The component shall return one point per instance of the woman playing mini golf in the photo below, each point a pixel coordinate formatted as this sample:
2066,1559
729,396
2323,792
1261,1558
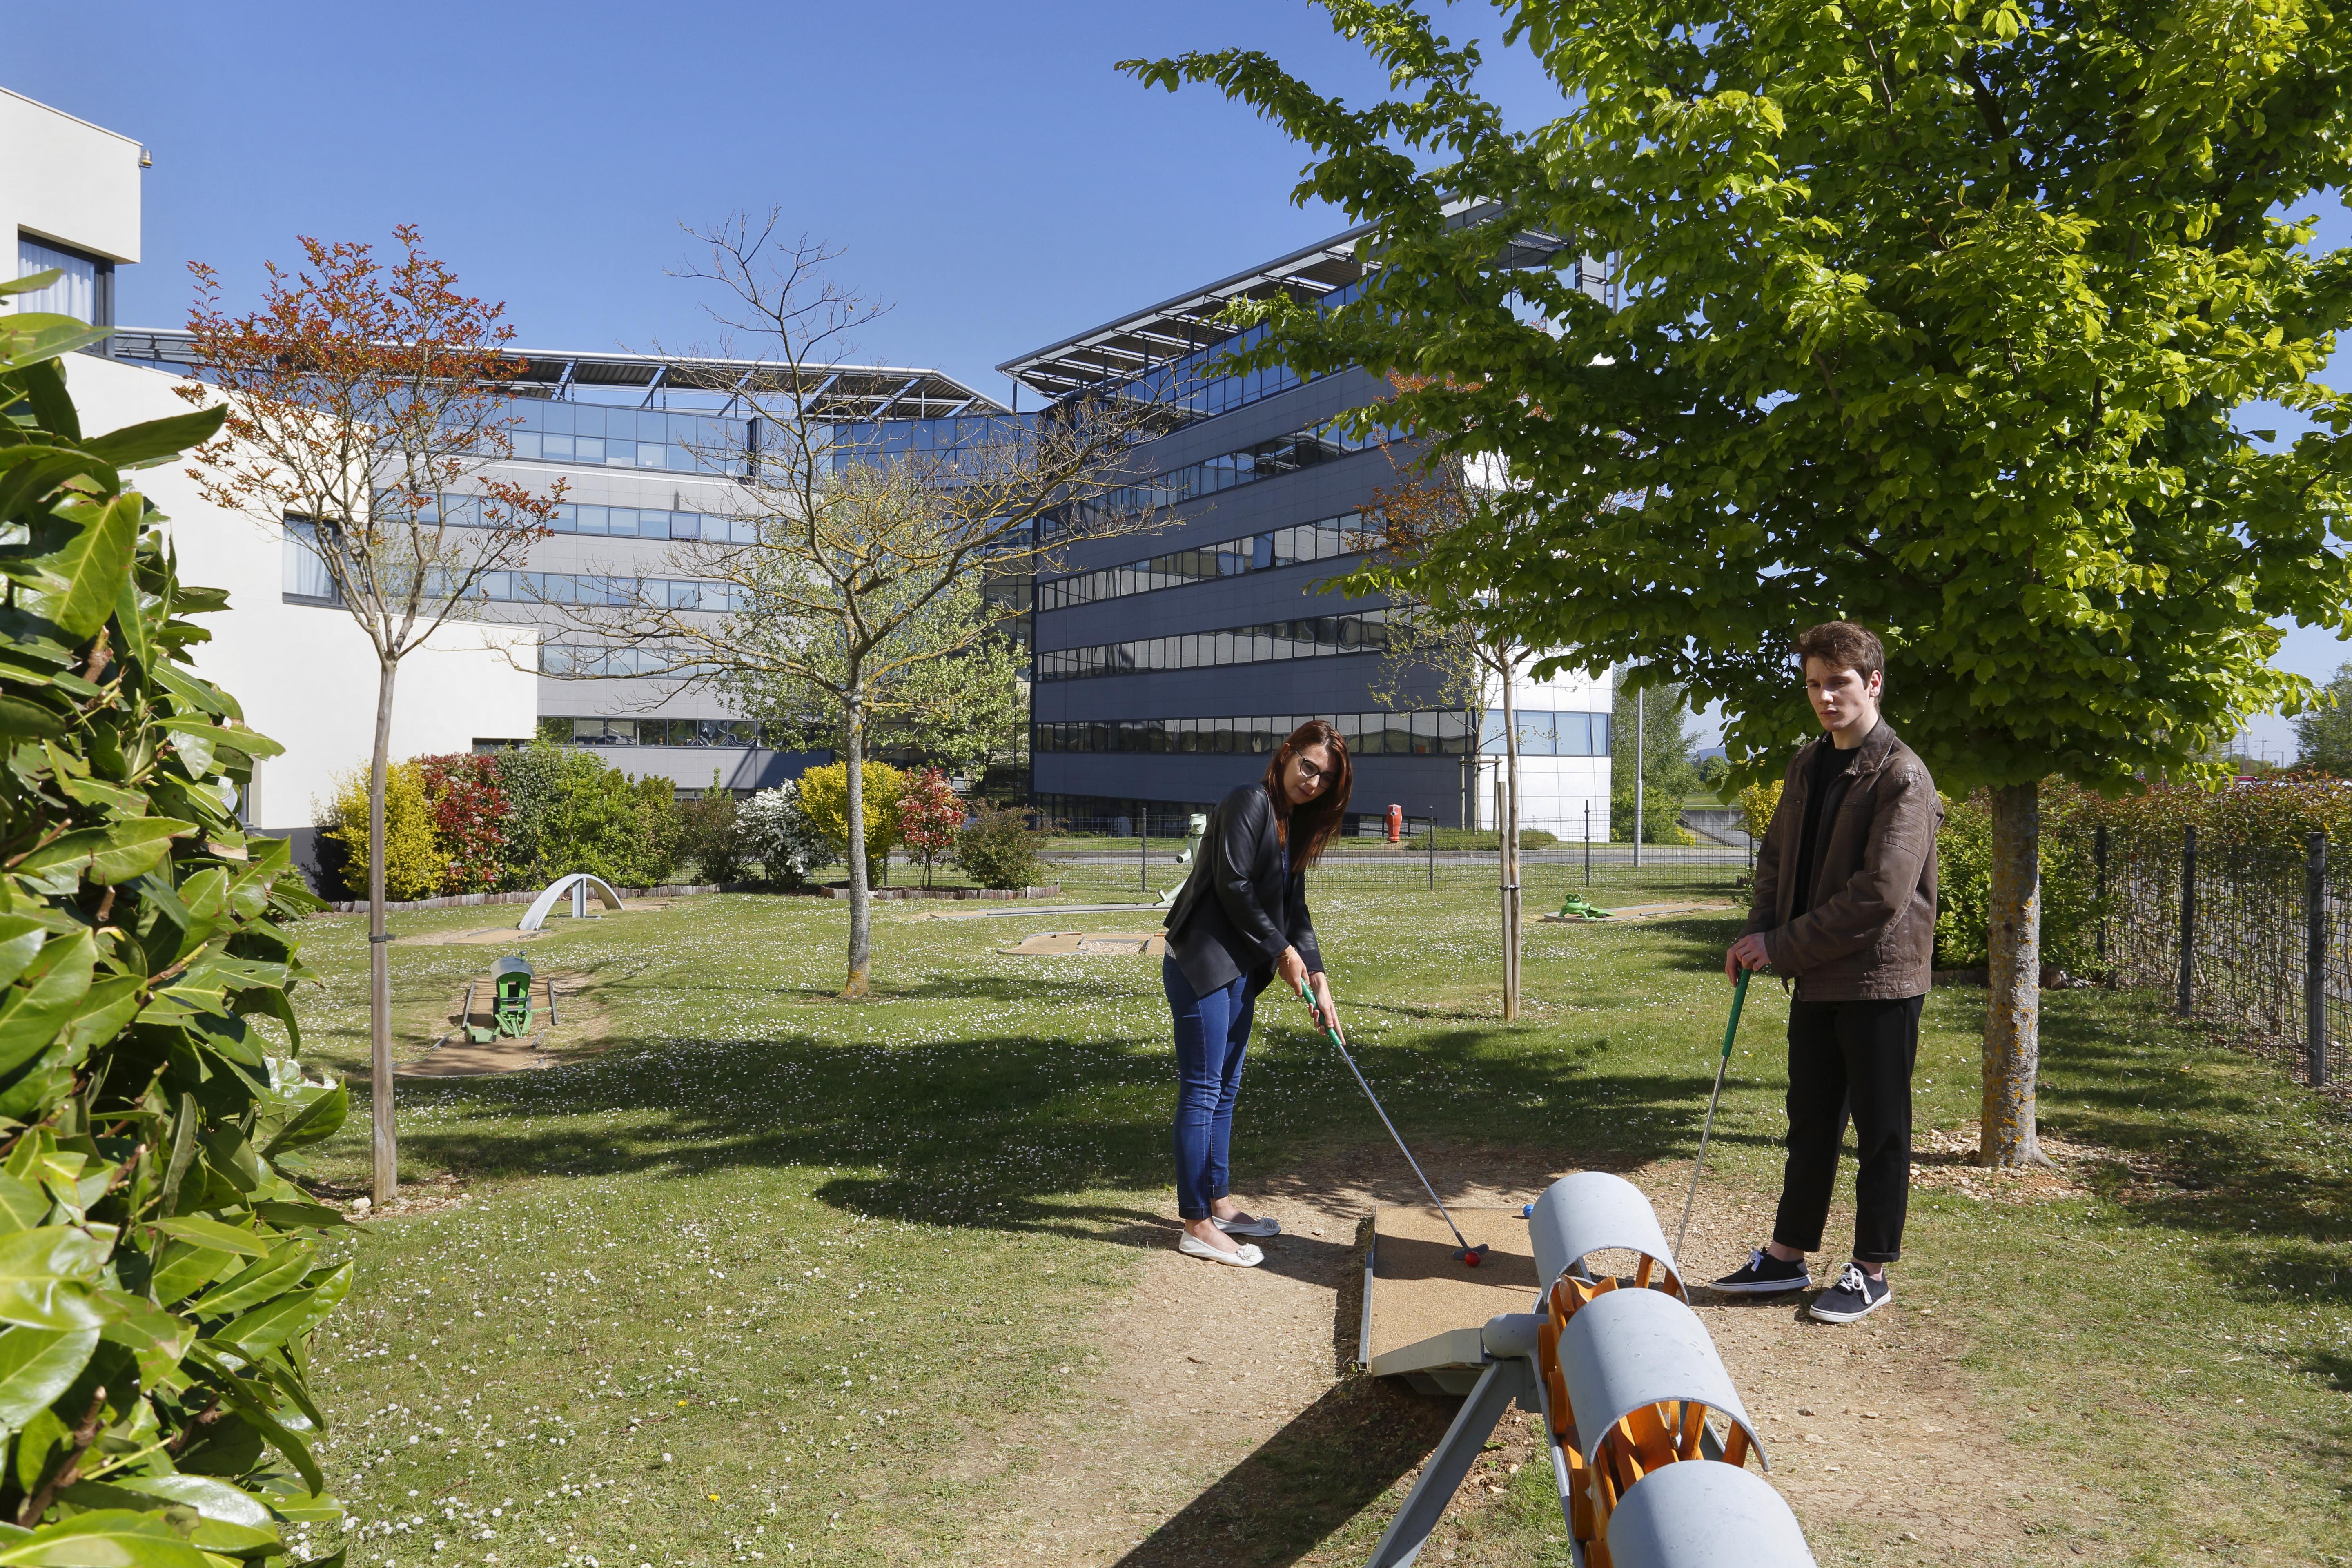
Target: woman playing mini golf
1240,924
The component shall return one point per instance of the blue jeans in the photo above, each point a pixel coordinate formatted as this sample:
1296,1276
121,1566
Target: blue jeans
1211,1036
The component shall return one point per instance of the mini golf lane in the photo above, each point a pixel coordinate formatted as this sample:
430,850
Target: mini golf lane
1414,1290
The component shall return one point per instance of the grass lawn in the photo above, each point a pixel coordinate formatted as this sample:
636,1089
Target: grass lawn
768,1278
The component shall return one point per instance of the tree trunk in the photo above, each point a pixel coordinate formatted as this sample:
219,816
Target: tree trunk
1641,765
1507,829
861,906
386,1143
2012,1048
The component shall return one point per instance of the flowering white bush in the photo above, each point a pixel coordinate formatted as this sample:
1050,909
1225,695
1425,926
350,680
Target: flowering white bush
780,834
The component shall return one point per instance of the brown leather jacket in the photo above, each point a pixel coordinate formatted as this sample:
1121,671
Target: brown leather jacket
1871,933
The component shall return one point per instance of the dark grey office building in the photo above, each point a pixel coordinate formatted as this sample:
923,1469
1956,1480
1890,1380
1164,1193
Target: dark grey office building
1169,663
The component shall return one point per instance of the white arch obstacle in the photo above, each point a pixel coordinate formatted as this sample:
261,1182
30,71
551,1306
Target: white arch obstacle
580,884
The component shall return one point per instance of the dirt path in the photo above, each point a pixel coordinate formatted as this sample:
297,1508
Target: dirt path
1221,1427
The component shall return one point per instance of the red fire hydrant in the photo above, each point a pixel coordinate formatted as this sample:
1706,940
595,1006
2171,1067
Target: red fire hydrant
1396,824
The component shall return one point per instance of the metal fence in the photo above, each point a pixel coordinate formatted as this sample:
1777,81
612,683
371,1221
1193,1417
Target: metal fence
2268,948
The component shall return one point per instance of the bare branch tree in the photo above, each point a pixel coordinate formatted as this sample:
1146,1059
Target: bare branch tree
358,396
858,552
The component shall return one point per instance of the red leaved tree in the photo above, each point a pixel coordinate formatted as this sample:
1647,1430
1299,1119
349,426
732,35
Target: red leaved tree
359,397
469,812
930,815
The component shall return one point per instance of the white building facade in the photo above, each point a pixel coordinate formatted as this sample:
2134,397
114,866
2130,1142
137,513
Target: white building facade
1564,744
306,679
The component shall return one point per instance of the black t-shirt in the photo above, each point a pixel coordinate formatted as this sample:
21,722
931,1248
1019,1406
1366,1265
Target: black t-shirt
1829,765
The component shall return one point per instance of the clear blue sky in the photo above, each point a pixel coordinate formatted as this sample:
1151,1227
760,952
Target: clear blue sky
984,168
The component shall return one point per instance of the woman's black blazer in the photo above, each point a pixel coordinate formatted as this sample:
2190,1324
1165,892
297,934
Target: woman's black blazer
1237,911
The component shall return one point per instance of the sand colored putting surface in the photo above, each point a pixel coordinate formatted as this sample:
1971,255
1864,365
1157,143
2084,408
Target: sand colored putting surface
1091,945
1417,1290
463,1059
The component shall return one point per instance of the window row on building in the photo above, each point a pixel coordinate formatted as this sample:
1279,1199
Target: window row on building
607,731
1434,733
1427,733
590,588
617,521
1548,735
1326,539
546,430
579,660
1310,637
1268,459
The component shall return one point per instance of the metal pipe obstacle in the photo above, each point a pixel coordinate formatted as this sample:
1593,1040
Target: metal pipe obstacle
1648,1438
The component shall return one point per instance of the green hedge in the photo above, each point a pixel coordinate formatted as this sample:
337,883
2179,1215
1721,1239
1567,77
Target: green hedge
161,1273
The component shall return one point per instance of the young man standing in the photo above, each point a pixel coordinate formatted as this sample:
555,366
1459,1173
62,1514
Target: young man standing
1845,902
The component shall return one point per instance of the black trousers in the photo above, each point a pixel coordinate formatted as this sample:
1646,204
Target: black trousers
1849,1059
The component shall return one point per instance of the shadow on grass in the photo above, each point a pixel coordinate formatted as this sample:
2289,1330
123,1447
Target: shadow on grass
2130,1079
1009,1131
1301,1484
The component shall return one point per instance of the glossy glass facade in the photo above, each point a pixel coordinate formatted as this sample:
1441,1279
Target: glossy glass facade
1430,732
1313,636
1268,459
1197,386
1328,540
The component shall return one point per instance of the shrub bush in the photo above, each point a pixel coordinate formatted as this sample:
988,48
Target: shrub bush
413,863
710,838
1660,817
469,820
779,835
931,816
1000,849
825,796
164,1277
1757,803
1964,884
567,812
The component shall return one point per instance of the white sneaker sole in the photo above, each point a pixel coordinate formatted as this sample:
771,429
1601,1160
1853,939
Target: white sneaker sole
1243,1257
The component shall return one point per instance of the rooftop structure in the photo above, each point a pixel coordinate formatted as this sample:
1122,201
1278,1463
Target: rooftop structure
844,392
1191,322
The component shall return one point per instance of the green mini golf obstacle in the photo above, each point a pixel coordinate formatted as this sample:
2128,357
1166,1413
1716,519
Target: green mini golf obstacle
1576,907
512,1013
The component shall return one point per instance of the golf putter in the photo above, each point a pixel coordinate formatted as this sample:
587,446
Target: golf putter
1467,1255
1730,1033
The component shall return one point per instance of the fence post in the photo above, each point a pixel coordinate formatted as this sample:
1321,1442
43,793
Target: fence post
1142,850
2315,955
2099,884
1432,848
1587,844
2187,919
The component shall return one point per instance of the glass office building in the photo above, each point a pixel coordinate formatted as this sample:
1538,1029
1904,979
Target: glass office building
1168,664
651,451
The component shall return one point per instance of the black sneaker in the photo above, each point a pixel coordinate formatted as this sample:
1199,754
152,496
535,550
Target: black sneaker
1855,1295
1764,1275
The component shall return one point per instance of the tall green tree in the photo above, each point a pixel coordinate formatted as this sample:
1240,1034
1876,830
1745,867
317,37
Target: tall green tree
1661,715
1934,317
2323,735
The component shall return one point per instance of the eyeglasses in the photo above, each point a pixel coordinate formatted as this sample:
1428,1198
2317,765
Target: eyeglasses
1309,772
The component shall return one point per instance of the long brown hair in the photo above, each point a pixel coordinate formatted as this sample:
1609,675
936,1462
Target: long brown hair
1319,819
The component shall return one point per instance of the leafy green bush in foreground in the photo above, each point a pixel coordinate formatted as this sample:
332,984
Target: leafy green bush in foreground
160,1276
